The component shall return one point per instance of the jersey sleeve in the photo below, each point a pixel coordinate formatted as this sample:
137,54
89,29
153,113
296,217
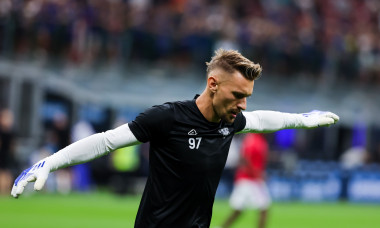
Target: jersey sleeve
240,122
153,124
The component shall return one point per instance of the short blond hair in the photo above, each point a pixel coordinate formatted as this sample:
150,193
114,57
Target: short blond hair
231,60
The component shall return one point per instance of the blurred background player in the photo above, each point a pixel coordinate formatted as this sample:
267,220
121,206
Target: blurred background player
7,146
81,173
250,190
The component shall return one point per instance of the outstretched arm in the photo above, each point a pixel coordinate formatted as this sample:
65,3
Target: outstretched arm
270,121
79,152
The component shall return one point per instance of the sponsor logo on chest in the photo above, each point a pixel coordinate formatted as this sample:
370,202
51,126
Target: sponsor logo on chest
192,132
224,131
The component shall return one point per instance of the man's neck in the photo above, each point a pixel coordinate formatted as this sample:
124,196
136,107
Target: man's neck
204,104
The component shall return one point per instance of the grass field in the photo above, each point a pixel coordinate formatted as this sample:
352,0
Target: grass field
106,210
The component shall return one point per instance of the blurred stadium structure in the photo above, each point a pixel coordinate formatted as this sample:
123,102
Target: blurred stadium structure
100,61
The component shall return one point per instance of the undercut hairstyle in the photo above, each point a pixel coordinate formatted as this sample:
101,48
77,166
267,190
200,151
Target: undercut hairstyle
231,60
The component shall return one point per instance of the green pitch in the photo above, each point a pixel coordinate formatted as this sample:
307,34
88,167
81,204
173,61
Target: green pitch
107,210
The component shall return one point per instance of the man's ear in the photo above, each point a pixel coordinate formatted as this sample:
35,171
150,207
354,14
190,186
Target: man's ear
212,84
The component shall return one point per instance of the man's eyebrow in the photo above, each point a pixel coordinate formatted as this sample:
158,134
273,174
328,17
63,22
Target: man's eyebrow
240,94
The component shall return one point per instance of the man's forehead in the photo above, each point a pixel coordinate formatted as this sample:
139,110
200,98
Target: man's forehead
242,89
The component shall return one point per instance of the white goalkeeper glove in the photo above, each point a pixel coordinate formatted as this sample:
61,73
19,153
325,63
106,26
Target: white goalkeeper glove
38,172
317,118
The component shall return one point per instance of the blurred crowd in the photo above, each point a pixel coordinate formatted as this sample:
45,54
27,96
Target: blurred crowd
328,40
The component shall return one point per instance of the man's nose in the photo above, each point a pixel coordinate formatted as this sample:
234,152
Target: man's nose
242,105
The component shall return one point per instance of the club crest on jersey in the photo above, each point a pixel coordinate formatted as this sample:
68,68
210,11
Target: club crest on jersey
224,131
192,132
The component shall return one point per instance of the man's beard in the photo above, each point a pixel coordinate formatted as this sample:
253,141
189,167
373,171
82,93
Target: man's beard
228,118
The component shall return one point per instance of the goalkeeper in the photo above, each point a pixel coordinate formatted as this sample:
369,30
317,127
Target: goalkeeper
189,143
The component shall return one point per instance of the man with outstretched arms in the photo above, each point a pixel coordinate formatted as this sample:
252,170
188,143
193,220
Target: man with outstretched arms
189,143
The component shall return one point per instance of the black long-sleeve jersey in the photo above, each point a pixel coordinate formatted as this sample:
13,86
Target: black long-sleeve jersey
187,156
